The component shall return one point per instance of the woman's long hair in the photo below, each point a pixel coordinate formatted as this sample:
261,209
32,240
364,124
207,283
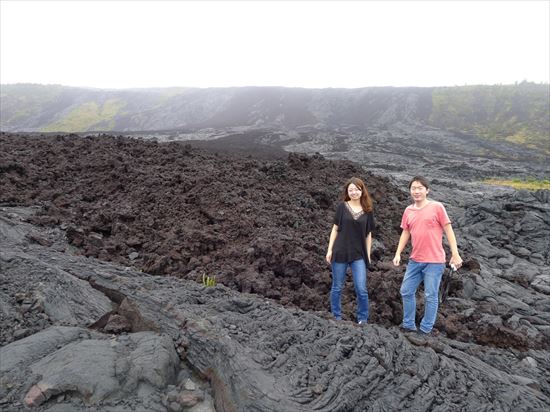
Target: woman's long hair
366,201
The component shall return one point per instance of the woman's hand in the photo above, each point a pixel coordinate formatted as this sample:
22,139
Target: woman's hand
328,257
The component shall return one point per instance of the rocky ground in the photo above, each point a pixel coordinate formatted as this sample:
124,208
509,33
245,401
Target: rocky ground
258,224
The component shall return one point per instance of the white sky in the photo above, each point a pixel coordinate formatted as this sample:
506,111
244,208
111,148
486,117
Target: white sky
314,44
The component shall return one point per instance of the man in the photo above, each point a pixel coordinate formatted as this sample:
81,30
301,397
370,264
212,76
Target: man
424,222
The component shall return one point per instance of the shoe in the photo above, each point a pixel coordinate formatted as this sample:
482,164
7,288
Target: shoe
433,332
406,330
362,322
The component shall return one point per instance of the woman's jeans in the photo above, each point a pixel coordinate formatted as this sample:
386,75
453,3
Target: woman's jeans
417,272
359,272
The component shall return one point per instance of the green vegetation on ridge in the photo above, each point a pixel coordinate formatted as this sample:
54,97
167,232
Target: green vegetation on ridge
88,115
528,184
514,113
20,102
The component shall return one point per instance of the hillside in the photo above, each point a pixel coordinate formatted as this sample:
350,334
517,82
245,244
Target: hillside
518,113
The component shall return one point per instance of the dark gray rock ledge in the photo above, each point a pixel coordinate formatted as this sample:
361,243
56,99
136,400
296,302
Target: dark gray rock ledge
105,337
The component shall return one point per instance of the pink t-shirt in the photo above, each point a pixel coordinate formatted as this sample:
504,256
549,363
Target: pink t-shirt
426,227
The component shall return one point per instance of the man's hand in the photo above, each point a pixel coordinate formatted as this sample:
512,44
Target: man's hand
397,260
455,261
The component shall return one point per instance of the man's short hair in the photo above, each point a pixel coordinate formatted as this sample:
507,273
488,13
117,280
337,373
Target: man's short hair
420,179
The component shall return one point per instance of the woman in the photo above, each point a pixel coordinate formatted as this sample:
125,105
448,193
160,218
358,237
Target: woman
350,245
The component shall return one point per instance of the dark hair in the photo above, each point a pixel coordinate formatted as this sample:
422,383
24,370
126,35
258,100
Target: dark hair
419,179
366,201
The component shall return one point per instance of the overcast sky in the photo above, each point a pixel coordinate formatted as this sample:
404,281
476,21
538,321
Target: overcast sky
313,44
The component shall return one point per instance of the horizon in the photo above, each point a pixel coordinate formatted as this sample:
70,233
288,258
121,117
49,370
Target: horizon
516,83
303,44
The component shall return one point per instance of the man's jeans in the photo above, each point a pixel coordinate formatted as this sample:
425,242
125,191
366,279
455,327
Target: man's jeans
359,272
417,272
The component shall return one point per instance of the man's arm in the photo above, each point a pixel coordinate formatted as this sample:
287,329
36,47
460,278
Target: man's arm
456,260
403,240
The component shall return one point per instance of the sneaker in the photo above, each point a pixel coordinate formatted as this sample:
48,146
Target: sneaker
362,322
433,332
406,330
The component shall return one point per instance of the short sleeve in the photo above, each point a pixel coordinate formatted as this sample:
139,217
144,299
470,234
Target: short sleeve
442,216
404,220
338,216
371,226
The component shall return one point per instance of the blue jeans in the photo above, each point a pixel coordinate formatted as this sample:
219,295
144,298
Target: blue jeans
359,272
417,272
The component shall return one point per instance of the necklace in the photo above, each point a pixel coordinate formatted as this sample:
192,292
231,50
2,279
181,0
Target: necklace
355,215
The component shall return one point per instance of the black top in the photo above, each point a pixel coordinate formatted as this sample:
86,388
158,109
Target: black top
350,243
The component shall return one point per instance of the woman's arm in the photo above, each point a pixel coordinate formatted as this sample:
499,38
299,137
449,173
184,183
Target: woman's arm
333,235
403,240
369,244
